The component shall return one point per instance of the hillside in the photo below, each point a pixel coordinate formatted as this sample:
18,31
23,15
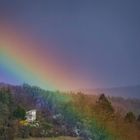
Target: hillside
81,115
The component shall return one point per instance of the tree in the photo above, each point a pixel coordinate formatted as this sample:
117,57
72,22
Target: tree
130,117
4,113
19,113
104,104
5,96
138,119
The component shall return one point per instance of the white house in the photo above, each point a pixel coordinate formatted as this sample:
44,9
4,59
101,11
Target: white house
31,115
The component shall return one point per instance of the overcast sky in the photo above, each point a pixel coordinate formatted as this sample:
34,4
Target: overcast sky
98,38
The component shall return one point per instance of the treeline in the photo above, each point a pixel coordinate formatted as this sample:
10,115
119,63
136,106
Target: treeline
75,114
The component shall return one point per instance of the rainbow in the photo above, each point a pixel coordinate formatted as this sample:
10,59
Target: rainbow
30,61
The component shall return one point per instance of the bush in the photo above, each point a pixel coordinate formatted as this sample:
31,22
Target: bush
24,132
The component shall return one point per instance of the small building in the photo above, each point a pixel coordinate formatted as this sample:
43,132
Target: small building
31,115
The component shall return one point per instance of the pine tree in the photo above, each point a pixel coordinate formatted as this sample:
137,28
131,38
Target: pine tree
130,117
104,104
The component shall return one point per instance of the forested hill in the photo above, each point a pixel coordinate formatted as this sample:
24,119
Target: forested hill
88,117
124,98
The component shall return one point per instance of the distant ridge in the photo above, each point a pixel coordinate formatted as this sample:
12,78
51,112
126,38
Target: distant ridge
2,84
126,91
